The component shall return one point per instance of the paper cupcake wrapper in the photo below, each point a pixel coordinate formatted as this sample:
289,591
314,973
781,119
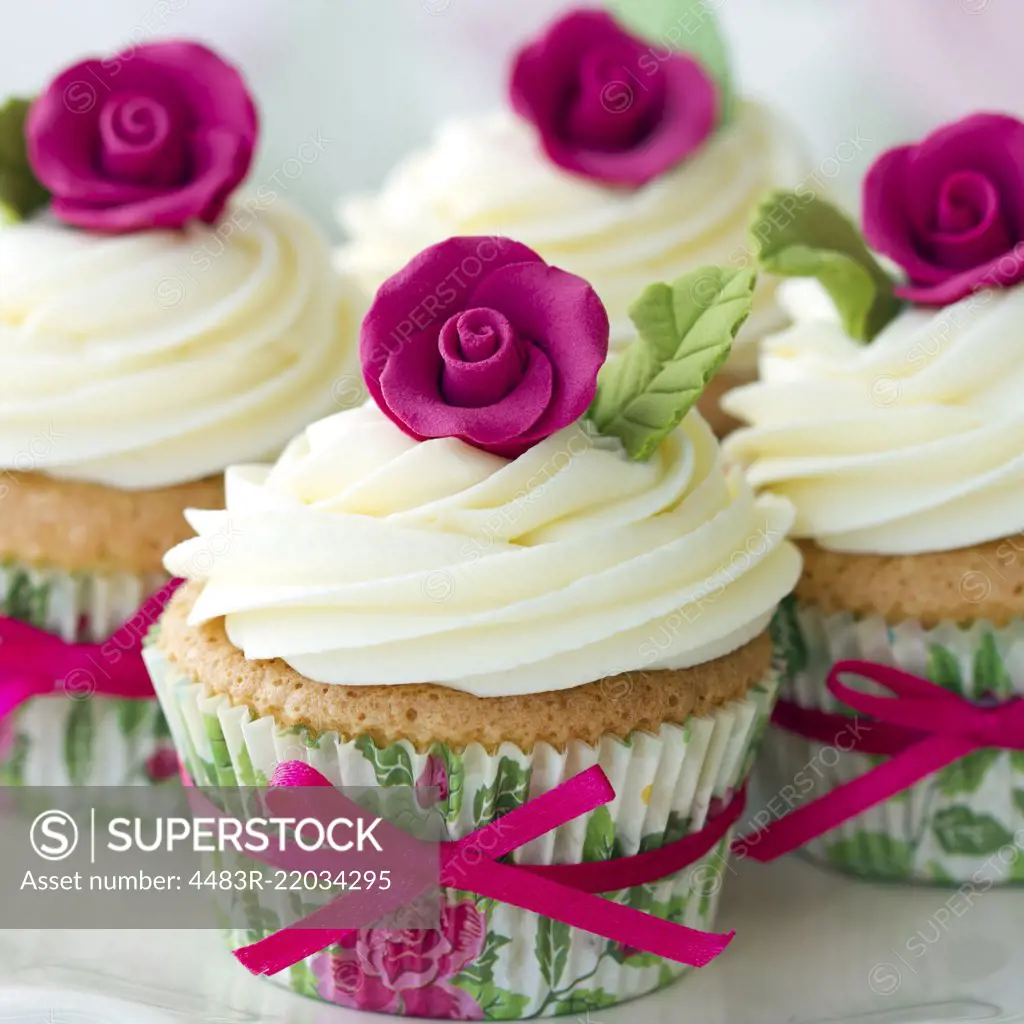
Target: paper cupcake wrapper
525,965
963,823
58,740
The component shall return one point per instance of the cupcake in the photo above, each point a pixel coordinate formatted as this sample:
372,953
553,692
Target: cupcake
890,415
153,329
621,158
498,572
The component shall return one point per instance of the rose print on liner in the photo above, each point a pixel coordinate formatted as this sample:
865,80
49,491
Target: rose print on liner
154,137
605,107
407,971
432,785
478,338
950,210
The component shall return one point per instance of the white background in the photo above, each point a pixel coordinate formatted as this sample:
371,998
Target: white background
375,76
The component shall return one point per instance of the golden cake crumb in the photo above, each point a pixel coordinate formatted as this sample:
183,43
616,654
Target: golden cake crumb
982,582
425,713
76,526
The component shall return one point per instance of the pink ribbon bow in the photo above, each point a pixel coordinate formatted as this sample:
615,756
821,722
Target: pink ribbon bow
34,663
921,727
563,892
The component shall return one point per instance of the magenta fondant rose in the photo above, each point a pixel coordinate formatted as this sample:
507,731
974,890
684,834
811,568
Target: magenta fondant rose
609,106
407,972
950,210
479,339
152,138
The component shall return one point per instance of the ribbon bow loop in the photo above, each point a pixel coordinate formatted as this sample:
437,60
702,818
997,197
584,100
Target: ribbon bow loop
921,727
927,708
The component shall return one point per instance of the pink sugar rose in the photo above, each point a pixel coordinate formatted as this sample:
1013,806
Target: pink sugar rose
408,972
608,105
479,339
154,137
950,209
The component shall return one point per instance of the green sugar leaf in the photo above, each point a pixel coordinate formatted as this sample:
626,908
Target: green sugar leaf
685,331
21,194
798,235
690,27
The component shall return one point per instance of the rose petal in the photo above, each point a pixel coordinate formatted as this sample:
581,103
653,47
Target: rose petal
543,70
561,314
687,119
992,144
472,383
207,102
442,1002
414,304
1003,271
141,142
969,230
606,114
884,216
903,197
410,395
219,161
680,116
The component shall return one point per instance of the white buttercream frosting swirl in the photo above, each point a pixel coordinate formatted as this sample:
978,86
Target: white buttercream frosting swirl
363,557
912,443
154,358
489,176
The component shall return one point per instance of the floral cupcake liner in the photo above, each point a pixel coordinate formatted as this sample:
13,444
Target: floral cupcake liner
492,961
87,739
963,823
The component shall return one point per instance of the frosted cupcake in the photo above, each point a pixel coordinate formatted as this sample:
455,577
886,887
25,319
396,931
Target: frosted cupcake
500,571
153,329
623,159
890,414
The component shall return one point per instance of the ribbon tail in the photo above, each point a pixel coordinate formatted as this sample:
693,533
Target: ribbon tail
595,915
831,809
288,946
280,950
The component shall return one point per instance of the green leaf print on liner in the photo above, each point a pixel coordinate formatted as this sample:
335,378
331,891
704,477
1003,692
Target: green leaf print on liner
392,766
958,830
455,773
12,768
990,674
600,838
873,852
481,971
1018,799
583,999
509,790
937,873
26,599
944,669
131,714
1017,760
78,741
788,639
552,949
497,1003
967,774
